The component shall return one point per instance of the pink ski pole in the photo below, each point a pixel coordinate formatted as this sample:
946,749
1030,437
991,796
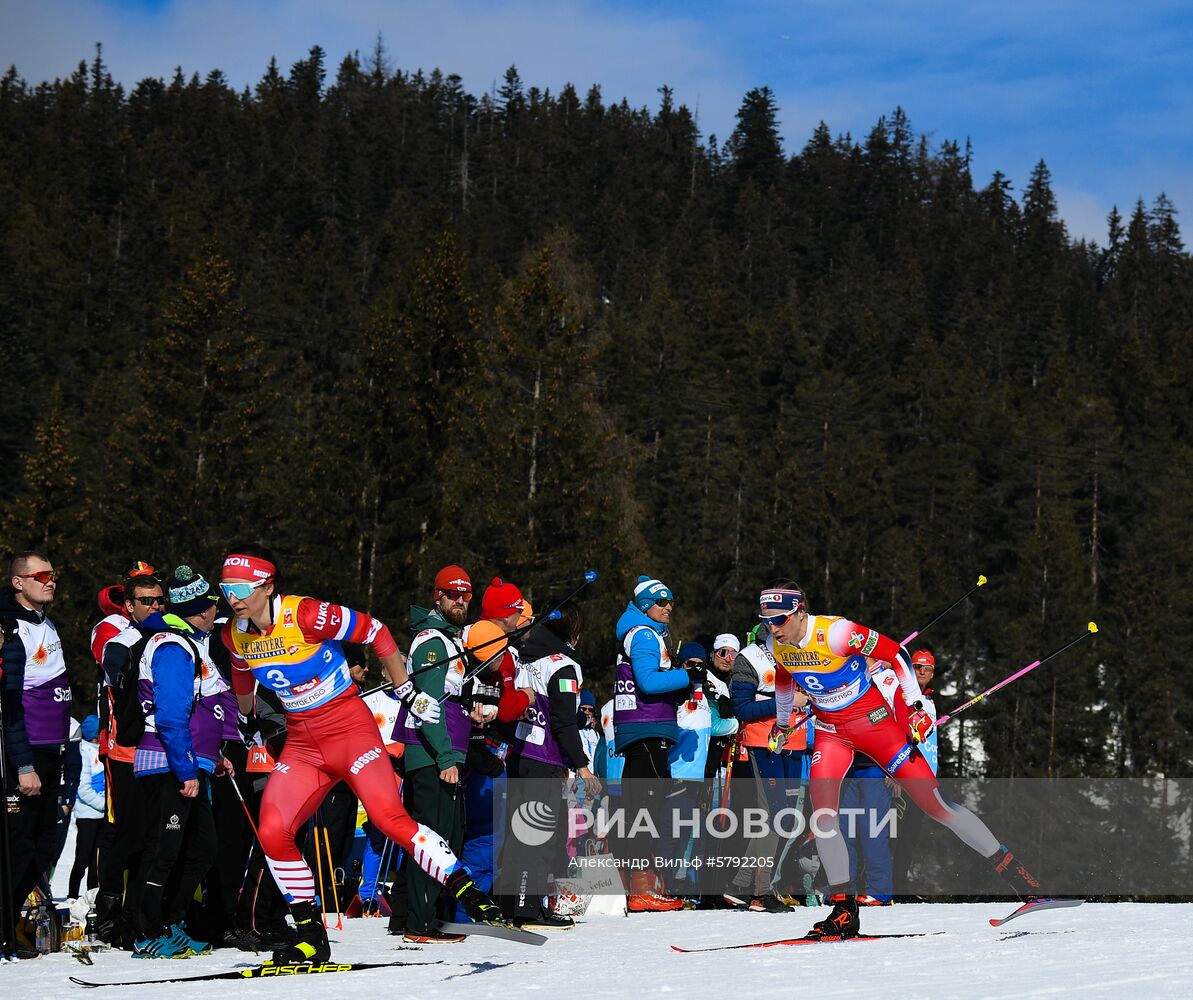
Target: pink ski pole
1091,628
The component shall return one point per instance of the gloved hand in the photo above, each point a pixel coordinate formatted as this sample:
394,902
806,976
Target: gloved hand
420,704
453,682
778,736
247,724
696,676
920,724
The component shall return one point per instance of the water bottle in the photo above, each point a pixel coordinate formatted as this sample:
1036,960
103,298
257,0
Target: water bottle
89,932
41,937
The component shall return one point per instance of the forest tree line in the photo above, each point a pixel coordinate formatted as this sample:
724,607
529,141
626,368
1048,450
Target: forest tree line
382,324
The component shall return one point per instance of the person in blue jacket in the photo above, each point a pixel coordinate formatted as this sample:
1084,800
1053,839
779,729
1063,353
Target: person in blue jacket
646,694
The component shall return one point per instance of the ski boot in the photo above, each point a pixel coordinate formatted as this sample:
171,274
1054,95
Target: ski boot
476,903
1022,882
842,922
311,945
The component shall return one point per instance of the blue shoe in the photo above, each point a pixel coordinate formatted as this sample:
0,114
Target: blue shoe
179,933
164,946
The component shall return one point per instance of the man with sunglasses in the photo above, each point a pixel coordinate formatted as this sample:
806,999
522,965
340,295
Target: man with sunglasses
829,659
646,696
139,595
37,701
291,645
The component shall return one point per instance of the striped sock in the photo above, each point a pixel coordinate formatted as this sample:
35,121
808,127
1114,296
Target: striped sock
294,879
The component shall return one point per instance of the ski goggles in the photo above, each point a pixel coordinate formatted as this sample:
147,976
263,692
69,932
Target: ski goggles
240,591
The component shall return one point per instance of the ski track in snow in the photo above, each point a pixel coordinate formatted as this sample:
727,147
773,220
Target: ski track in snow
1097,950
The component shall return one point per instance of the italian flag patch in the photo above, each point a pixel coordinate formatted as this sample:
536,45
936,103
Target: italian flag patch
569,687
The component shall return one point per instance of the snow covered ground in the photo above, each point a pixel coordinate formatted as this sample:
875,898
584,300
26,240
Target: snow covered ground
1097,950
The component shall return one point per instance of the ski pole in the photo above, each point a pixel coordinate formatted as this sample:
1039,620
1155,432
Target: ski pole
1090,629
319,868
374,908
940,614
516,633
335,892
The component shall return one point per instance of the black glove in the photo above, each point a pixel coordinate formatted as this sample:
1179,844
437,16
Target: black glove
696,677
247,724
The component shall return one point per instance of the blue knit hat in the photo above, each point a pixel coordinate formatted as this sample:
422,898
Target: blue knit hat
89,727
692,651
587,698
648,590
189,593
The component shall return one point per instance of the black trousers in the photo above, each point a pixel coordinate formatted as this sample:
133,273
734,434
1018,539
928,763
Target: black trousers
441,807
645,782
33,827
260,905
180,848
122,839
86,841
226,881
530,870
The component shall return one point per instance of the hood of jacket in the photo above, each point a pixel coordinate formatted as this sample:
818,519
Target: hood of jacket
111,600
543,642
10,607
632,617
424,618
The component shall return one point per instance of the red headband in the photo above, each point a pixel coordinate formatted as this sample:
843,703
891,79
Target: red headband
253,567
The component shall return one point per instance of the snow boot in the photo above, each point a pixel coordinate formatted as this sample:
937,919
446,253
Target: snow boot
643,897
1022,882
311,945
843,922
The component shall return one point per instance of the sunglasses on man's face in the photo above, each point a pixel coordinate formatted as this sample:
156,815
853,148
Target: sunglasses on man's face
42,576
663,602
149,602
778,621
693,663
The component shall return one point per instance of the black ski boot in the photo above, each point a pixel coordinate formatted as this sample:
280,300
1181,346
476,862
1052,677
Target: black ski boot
475,902
311,944
1022,882
843,922
107,917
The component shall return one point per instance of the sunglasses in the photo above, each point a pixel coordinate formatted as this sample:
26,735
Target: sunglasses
241,591
778,621
587,710
664,602
42,576
727,651
149,602
693,663
457,595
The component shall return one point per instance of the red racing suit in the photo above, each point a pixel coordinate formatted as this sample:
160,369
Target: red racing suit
331,734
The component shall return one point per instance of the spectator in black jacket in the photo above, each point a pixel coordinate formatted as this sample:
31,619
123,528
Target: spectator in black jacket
37,700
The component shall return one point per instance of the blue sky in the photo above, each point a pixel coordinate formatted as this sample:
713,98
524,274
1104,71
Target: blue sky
1094,88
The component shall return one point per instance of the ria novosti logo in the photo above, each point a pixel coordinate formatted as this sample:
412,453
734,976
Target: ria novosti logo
533,823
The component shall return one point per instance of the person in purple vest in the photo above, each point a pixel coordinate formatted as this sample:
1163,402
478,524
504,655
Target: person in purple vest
37,698
435,751
189,711
647,692
546,744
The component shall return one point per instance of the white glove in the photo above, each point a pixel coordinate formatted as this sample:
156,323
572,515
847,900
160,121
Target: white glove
420,704
453,683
